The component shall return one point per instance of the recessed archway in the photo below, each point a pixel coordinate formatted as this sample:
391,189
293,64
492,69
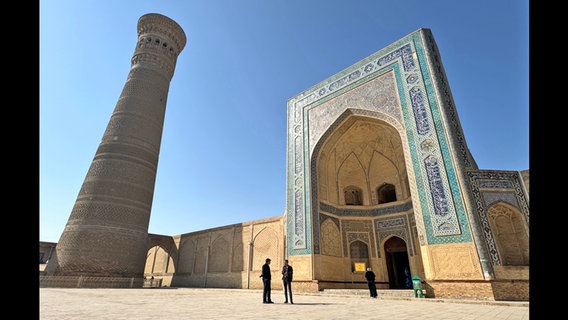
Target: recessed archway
397,262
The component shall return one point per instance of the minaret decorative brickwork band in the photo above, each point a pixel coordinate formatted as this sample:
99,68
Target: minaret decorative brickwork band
105,241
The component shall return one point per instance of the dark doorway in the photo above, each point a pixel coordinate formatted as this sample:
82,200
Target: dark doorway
397,262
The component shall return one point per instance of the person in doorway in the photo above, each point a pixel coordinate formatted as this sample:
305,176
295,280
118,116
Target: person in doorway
266,279
287,274
370,276
407,279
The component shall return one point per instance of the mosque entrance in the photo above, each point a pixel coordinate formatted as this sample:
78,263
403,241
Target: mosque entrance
397,263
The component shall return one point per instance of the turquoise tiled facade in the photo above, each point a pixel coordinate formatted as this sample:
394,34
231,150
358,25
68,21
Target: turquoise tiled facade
434,145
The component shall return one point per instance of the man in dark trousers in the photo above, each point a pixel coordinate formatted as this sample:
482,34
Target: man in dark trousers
287,274
266,278
370,276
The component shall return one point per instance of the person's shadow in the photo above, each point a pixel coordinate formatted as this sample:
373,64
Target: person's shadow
312,304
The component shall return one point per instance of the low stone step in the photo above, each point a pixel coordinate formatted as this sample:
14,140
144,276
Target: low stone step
404,293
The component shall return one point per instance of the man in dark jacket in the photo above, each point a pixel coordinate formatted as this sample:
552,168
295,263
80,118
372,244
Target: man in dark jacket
287,274
266,278
370,276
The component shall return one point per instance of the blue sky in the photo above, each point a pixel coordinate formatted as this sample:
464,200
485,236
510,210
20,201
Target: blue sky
223,152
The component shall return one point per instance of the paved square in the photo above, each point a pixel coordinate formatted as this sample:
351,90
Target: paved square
191,303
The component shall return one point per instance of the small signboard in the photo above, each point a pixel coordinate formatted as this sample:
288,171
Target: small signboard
360,266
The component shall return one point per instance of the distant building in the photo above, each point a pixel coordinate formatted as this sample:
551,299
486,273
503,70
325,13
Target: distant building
46,249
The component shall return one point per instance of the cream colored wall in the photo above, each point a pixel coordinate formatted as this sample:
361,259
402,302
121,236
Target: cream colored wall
452,262
225,257
221,258
511,272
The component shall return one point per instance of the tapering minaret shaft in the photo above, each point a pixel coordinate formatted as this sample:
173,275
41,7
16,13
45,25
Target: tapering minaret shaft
107,231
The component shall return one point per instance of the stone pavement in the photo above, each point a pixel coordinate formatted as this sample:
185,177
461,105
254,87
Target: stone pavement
197,303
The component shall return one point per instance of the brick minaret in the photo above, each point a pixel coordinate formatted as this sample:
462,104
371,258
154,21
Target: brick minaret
104,243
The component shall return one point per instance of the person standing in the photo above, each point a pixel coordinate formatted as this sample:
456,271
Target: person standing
287,274
266,279
407,280
370,276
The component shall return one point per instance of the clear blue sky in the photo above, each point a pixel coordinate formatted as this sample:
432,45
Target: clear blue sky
223,153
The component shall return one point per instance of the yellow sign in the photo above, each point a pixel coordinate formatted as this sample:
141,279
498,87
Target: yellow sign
360,266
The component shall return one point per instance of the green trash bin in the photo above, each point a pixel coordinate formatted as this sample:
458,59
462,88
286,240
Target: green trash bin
417,286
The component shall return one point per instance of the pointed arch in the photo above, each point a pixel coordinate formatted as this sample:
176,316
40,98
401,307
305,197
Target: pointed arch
396,254
160,255
266,245
351,179
200,261
511,234
359,137
330,238
218,256
358,250
187,253
158,261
